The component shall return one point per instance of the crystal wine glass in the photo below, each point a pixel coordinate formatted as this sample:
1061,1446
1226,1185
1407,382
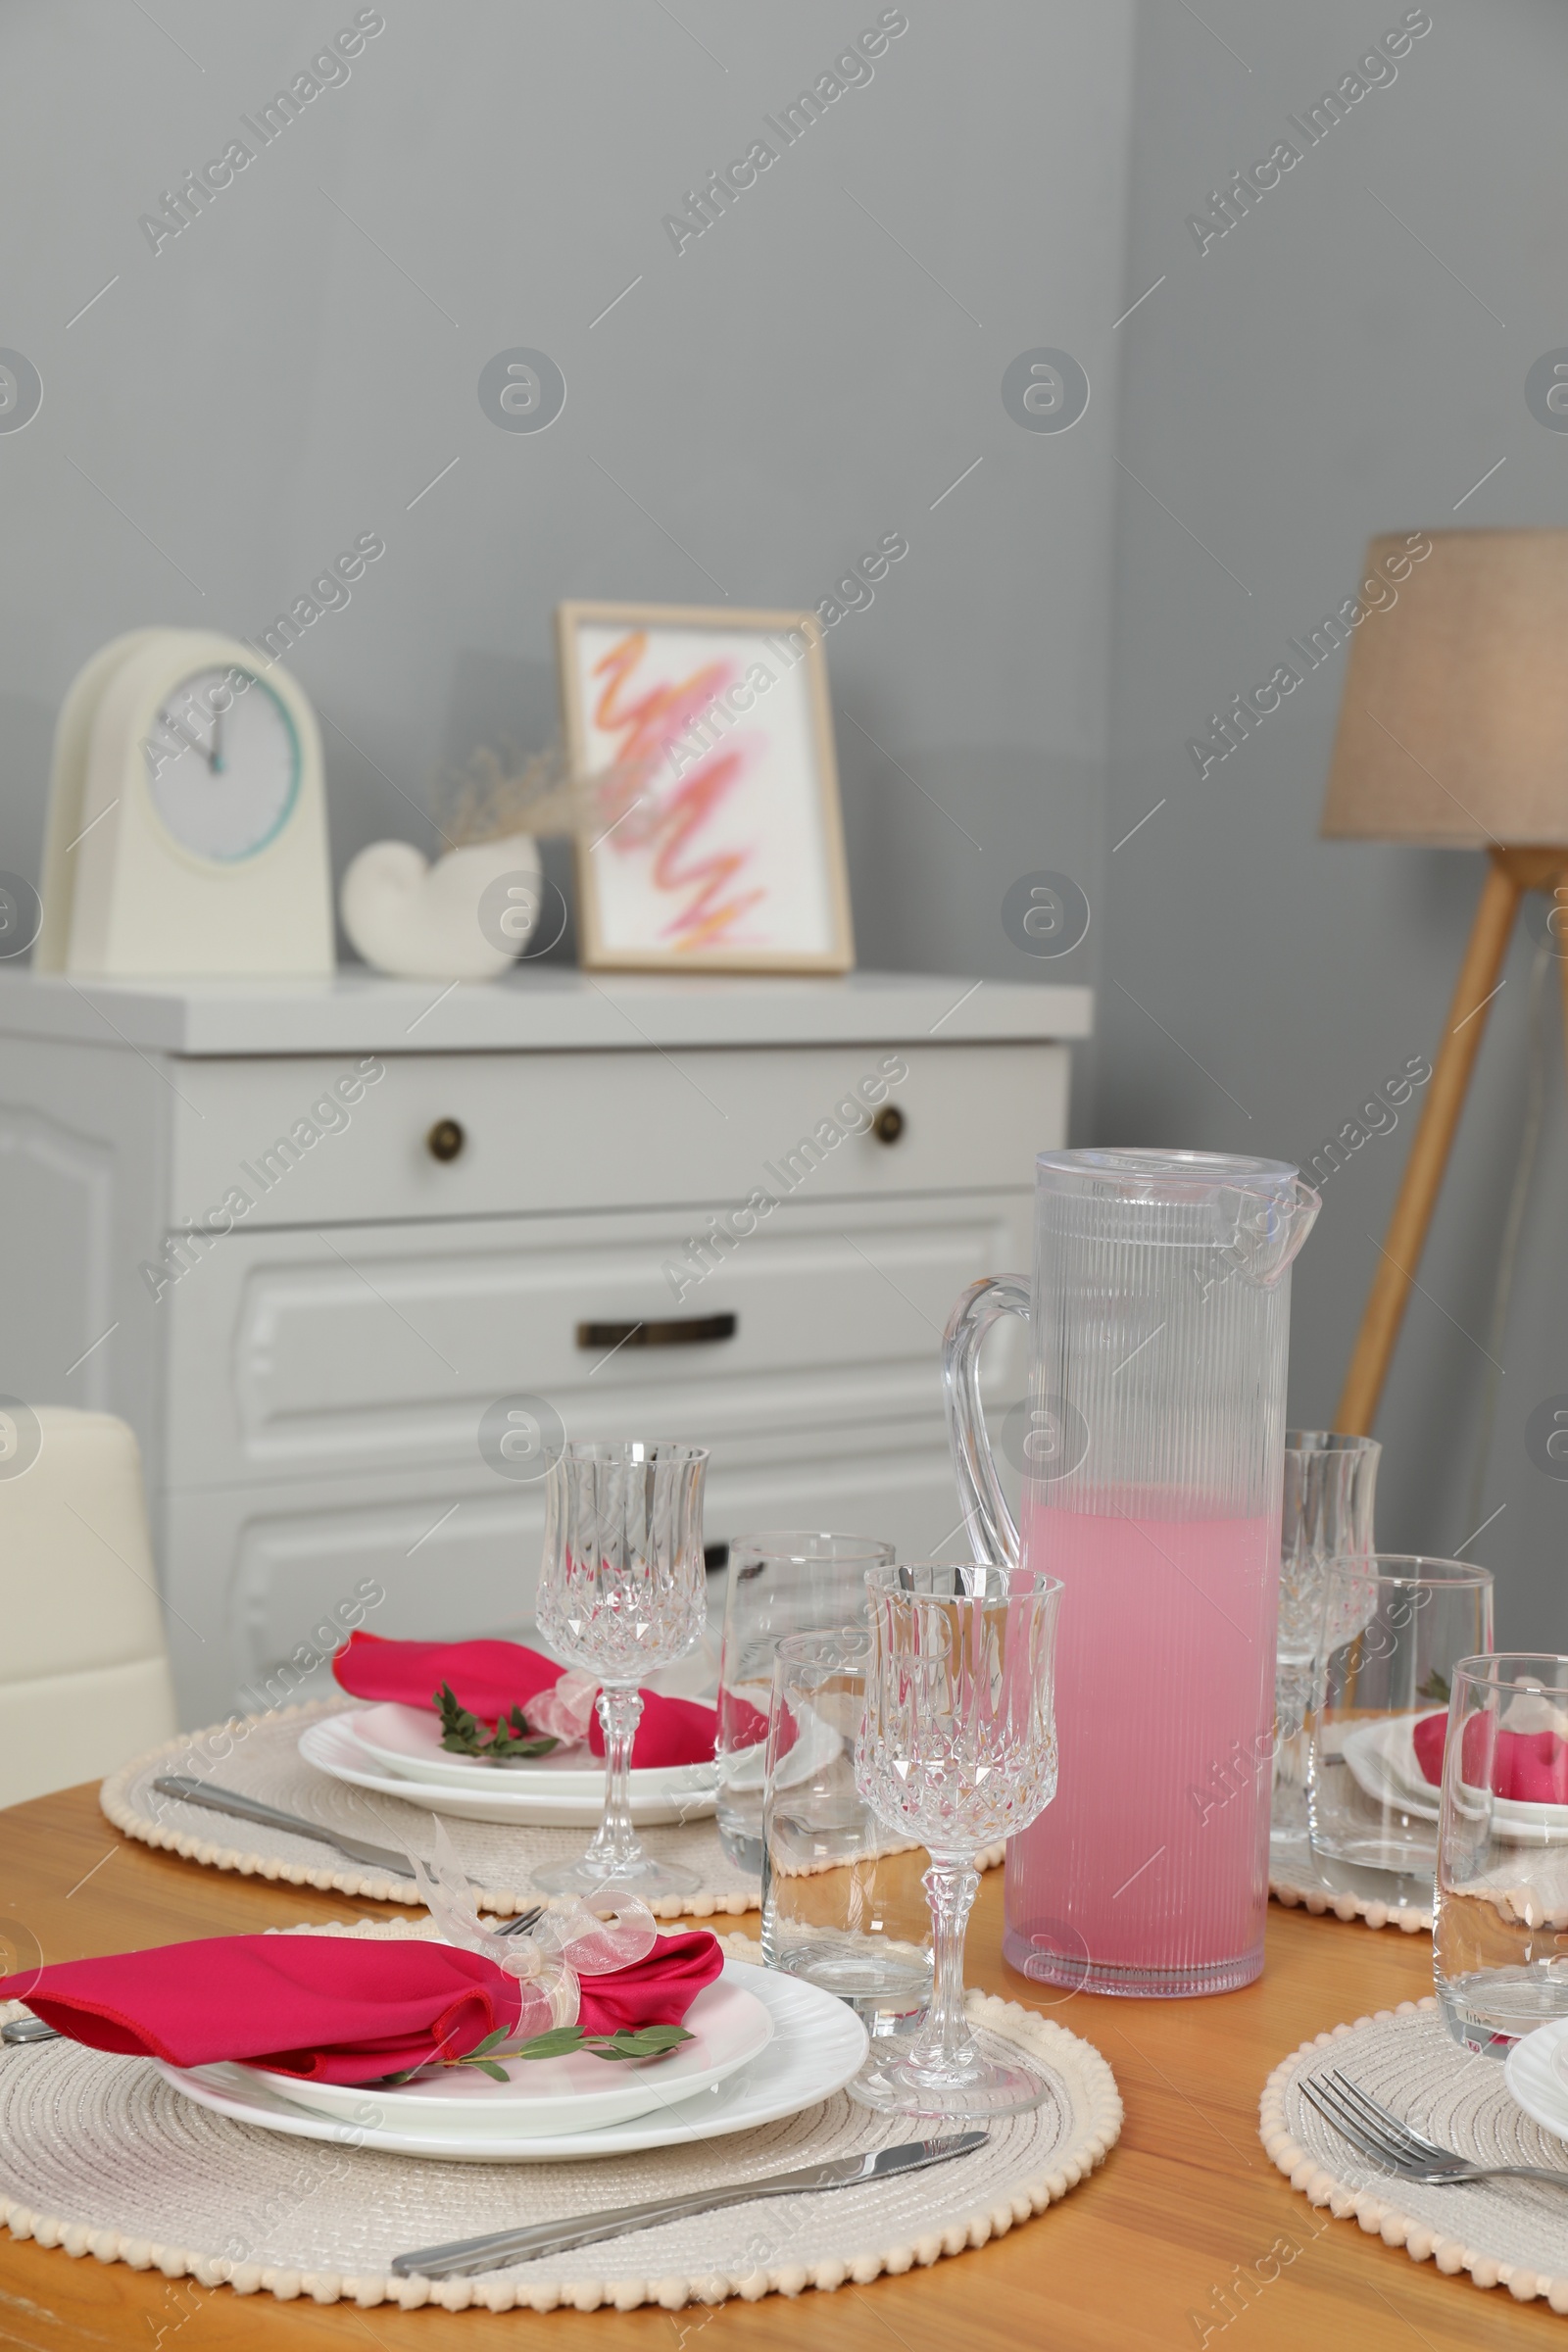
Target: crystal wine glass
1330,1480
957,1749
623,1591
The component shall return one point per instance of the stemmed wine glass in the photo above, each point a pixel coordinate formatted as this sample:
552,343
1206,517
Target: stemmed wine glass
957,1749
623,1591
1330,1480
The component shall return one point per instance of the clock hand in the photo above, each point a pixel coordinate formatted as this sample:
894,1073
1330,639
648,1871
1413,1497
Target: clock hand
214,758
179,728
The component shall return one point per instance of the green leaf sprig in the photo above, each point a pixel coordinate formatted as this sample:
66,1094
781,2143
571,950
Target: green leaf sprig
629,2041
464,1735
639,2043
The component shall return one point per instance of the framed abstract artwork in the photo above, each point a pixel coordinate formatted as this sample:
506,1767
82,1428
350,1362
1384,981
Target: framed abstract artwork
717,844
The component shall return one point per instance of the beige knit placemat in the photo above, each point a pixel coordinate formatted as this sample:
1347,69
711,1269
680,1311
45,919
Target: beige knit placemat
1511,2233
257,1755
101,2156
1295,1879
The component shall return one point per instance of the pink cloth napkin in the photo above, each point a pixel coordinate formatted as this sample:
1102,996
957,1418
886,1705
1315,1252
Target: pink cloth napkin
743,1724
332,2008
1530,1767
491,1677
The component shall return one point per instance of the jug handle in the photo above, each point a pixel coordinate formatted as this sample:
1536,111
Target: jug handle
991,1528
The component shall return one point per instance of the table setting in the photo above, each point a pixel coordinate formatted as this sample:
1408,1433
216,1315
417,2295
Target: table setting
417,1746
1420,1780
179,2155
545,2081
1418,2122
554,2032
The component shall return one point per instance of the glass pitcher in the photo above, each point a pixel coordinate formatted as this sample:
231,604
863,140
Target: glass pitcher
1152,1467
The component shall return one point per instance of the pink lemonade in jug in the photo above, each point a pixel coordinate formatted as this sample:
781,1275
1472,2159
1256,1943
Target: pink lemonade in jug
1152,1473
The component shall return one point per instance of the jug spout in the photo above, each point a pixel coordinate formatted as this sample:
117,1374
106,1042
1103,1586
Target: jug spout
1260,1235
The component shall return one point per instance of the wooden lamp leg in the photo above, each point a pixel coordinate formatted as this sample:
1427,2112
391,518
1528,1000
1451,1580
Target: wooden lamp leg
1431,1142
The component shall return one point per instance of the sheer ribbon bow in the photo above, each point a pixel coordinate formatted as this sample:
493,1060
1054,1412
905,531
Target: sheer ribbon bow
570,1941
566,1711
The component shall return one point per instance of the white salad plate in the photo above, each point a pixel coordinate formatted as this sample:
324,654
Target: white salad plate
1381,1758
406,1740
728,2025
332,1747
817,2045
1532,2071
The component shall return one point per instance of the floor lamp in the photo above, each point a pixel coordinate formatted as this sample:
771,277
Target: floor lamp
1453,733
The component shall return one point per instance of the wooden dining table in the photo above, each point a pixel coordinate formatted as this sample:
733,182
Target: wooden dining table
1147,2252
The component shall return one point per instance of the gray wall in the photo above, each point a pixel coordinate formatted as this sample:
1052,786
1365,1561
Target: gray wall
803,378
813,372
1318,375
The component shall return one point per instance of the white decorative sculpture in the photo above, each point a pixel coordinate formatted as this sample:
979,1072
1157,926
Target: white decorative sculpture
420,921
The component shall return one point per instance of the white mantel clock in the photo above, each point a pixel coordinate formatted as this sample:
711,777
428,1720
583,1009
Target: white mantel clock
187,821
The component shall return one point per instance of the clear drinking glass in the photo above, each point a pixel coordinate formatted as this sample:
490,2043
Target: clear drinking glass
843,1900
790,1582
1391,1628
1499,1943
1330,1480
958,1751
622,1590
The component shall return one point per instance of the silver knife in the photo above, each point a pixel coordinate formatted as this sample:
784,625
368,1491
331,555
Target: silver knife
23,2030
251,1808
465,2257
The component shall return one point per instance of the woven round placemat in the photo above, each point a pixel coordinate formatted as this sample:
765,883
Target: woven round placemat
101,2156
257,1755
1295,1881
1511,2233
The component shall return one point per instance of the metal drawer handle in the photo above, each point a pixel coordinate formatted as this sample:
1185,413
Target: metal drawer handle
445,1140
888,1125
687,1331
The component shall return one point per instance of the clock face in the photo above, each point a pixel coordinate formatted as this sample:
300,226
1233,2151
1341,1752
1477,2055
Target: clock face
223,765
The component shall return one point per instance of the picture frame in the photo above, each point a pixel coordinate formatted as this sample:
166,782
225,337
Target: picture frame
714,729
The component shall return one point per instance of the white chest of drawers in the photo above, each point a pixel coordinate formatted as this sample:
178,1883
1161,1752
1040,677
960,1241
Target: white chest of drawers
309,1368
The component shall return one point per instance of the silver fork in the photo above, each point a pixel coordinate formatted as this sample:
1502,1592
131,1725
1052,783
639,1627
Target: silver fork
524,1922
1396,2147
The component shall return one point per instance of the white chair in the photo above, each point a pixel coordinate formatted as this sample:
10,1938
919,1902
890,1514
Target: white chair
84,1682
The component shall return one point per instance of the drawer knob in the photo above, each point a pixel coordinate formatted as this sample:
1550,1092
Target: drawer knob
888,1125
445,1140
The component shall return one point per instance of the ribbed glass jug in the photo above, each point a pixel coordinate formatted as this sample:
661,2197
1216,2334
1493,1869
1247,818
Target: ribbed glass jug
1153,1464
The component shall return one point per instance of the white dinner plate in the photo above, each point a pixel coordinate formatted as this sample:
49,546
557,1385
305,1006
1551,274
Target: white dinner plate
406,1740
819,2045
1381,1757
332,1747
1531,2071
815,1746
728,2025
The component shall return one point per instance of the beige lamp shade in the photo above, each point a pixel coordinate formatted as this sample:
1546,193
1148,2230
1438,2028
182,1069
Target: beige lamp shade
1453,729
